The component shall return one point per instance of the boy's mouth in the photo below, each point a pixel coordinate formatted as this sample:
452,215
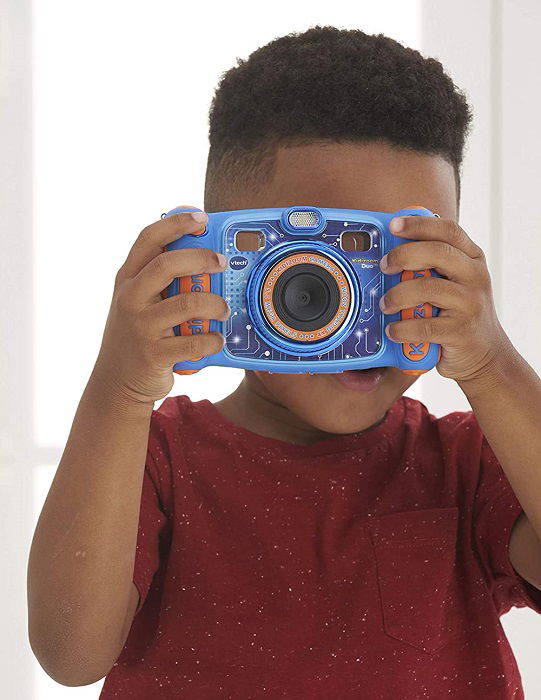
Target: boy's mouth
360,379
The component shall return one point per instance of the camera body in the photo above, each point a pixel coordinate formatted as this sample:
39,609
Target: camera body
303,284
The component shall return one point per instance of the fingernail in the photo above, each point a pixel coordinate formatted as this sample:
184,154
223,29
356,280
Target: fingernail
222,262
199,217
383,263
227,314
382,303
397,224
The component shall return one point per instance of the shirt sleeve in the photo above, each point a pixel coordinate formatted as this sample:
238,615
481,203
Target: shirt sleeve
496,509
153,517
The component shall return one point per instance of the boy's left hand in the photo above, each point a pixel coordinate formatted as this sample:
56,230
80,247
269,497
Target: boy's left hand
467,327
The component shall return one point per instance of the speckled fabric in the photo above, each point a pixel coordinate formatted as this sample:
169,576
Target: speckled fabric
371,566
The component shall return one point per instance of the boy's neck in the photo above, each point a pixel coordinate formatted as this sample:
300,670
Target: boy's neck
252,407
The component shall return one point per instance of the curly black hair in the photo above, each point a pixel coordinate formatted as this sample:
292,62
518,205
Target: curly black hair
329,84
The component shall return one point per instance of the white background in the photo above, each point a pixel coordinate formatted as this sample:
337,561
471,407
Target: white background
103,126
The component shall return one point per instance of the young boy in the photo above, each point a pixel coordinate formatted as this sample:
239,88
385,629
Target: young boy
309,536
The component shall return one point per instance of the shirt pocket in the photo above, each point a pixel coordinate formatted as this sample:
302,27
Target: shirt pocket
415,554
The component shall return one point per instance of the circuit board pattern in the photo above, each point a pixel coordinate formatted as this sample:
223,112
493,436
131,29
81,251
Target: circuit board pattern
242,340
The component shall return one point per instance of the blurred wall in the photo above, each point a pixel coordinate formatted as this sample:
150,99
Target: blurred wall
491,49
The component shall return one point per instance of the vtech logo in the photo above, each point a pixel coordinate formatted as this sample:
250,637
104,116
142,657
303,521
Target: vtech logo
237,262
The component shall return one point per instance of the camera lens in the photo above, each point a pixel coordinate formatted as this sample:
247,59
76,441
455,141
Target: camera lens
306,297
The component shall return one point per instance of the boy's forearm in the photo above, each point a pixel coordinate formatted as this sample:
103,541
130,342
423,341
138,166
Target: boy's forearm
507,405
82,555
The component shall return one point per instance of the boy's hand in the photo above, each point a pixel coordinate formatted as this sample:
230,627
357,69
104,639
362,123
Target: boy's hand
467,326
139,347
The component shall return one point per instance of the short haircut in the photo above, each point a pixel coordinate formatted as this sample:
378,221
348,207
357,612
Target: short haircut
328,84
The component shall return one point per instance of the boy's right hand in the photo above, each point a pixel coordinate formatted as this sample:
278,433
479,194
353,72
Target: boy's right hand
139,347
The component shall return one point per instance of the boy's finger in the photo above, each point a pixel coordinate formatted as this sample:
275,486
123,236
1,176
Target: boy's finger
161,270
154,237
420,255
442,293
183,307
434,229
189,347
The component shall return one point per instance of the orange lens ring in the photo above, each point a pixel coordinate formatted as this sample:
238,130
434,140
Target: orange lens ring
301,259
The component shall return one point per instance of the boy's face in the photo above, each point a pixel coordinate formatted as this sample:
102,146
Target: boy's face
373,177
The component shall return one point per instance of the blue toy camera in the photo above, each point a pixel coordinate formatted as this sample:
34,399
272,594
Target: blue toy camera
303,284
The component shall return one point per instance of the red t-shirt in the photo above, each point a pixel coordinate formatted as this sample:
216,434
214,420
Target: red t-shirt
370,566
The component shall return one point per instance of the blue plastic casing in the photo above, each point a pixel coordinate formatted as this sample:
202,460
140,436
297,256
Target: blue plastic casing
251,343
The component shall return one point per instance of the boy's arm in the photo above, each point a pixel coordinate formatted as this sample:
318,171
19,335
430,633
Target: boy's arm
525,551
503,390
507,405
81,598
81,595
